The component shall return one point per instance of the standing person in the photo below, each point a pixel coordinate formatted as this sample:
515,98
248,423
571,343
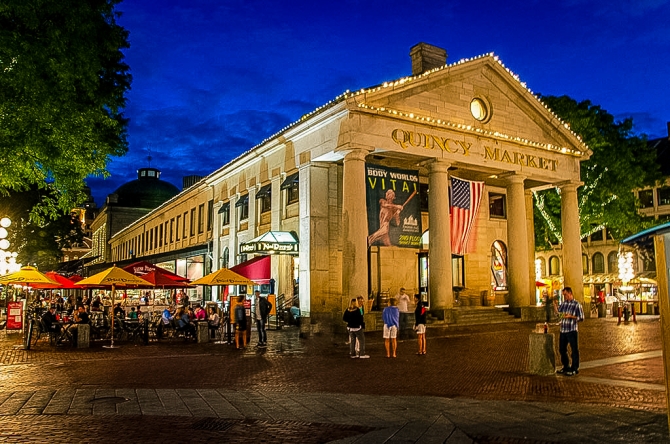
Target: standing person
261,311
240,323
403,306
420,324
354,319
391,318
361,307
213,321
571,313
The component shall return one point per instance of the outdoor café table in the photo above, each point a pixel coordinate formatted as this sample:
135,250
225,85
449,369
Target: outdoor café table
65,335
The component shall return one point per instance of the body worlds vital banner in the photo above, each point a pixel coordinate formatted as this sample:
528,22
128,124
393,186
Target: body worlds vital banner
394,215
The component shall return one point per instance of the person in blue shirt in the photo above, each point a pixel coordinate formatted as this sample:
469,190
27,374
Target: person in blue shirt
391,318
571,313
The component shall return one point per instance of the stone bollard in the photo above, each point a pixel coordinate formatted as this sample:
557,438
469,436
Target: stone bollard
202,332
542,359
83,335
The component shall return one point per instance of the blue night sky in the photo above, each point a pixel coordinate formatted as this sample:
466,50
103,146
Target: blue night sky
213,78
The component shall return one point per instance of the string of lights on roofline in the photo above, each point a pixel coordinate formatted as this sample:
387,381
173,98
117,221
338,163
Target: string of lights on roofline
348,94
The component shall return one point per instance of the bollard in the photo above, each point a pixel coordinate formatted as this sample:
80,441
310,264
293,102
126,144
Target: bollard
542,358
634,320
619,315
83,333
202,332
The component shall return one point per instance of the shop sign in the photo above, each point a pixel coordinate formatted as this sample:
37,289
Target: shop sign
394,213
269,247
14,315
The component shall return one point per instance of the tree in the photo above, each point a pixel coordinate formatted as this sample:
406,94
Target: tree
38,243
620,163
62,86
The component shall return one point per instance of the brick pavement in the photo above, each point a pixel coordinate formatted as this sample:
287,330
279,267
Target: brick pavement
470,382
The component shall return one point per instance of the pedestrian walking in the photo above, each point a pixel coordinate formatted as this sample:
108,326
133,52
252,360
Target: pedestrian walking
262,309
361,306
240,323
354,319
570,312
391,318
420,324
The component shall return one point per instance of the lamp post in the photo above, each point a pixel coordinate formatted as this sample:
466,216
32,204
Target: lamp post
7,258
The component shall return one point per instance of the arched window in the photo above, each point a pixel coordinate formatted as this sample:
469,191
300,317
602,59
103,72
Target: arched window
499,265
585,263
598,263
613,262
554,266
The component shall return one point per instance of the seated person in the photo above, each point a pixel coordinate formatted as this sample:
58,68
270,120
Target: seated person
132,314
50,322
200,314
96,305
118,311
184,324
295,315
213,322
191,314
80,317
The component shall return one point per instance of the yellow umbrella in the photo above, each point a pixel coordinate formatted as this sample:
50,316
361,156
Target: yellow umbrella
113,277
223,276
26,276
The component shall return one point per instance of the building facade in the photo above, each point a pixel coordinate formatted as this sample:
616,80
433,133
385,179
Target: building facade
472,120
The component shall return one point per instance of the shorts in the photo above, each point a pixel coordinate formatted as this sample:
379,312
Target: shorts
420,329
390,332
241,325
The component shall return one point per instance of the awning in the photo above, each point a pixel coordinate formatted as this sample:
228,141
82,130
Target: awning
225,207
264,191
644,235
256,269
602,278
289,181
283,242
244,200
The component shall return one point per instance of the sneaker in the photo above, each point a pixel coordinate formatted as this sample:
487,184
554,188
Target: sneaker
353,357
576,372
562,371
364,356
570,373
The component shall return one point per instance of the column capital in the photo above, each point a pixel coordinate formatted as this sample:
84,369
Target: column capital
515,178
438,166
569,185
355,154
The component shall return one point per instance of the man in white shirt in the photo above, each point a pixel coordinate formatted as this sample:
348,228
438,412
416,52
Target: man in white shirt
403,305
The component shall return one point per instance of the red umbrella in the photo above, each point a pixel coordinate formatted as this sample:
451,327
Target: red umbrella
540,284
161,280
64,282
143,267
76,278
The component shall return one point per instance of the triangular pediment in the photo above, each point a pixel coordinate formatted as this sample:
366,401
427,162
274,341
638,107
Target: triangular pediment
445,95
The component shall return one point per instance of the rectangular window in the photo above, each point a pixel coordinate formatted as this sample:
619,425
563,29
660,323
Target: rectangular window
224,211
201,218
167,232
597,236
290,184
192,222
243,207
664,196
210,215
646,198
151,239
497,206
176,228
184,225
265,196
160,235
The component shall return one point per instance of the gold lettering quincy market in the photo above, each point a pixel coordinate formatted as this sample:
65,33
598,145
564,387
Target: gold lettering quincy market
520,159
408,139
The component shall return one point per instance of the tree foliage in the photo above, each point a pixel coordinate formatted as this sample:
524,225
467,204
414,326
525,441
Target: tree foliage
38,243
620,163
62,86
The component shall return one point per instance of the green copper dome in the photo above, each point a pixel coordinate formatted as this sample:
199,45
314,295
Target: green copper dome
147,191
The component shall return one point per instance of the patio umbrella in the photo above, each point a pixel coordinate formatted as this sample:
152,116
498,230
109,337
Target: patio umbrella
160,280
223,276
540,284
113,277
27,276
61,282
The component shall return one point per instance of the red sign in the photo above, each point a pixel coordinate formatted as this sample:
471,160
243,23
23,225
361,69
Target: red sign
14,315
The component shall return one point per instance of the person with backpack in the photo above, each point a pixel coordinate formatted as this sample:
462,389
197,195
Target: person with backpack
261,312
240,323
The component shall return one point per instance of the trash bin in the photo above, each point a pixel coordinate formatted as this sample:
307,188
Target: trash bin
602,310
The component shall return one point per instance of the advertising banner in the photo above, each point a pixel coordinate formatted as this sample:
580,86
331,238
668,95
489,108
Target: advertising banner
394,214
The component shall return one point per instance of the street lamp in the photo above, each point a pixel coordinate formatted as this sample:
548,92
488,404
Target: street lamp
7,258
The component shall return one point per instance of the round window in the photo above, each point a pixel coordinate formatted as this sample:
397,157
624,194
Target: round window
479,109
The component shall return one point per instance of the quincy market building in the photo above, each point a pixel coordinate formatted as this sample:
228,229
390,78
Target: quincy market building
313,203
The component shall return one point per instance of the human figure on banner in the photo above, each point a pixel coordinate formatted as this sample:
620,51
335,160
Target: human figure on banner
388,212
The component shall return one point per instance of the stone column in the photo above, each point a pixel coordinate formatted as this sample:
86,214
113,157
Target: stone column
530,229
354,226
439,253
517,243
572,246
216,247
253,214
232,233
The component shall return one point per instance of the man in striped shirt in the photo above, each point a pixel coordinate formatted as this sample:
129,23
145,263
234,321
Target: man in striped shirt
571,313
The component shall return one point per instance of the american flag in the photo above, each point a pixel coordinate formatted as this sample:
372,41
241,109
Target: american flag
465,196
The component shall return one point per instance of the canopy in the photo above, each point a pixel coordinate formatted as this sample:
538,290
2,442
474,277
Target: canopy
114,276
257,269
27,276
223,276
61,282
160,280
